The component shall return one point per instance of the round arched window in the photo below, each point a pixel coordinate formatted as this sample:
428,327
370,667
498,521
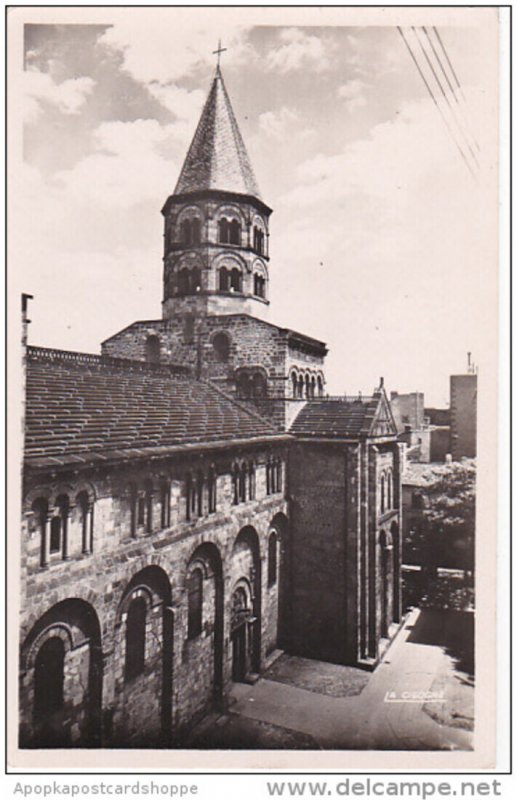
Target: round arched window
221,345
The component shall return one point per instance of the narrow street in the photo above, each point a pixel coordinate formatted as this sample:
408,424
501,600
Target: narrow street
391,712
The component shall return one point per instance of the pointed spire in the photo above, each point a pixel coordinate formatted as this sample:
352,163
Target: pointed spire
217,158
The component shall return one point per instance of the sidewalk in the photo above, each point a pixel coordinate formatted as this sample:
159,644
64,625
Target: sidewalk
366,721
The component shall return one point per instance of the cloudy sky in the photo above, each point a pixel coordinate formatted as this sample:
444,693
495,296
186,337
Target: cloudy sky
377,232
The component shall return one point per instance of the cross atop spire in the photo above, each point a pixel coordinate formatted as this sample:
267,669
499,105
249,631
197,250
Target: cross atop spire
218,52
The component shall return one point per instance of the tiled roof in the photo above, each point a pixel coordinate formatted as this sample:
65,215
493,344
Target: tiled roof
336,418
217,158
84,409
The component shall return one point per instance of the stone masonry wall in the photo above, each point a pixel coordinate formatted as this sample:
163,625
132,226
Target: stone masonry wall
155,563
319,571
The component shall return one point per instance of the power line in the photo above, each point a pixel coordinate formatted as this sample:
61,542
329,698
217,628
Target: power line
458,84
462,132
462,154
449,84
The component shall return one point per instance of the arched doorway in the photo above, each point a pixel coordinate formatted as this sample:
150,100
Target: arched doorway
241,632
246,611
61,679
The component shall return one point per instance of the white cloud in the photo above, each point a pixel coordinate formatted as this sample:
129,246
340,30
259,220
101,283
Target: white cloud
393,223
68,96
299,49
183,104
278,124
353,92
173,47
132,163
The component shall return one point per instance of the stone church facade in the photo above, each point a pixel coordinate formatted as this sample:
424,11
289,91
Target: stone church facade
194,502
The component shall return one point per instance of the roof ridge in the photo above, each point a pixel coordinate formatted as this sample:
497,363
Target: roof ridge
36,353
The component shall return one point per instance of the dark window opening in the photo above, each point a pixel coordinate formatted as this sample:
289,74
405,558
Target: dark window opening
49,676
189,281
224,280
186,232
199,493
383,494
195,603
242,484
224,231
274,476
55,535
192,497
272,560
196,231
141,510
258,240
235,280
235,232
165,505
221,345
251,481
195,280
320,386
212,491
259,285
417,501
300,386
83,504
135,638
152,350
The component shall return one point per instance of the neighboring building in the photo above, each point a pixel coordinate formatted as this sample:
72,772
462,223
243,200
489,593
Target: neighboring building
463,416
192,502
412,427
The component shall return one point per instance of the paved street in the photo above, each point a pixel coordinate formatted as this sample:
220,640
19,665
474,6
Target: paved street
378,718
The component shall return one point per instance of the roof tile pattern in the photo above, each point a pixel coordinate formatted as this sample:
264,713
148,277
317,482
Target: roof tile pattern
343,418
96,410
217,157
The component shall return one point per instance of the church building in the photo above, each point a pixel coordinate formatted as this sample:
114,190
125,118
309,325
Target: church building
195,503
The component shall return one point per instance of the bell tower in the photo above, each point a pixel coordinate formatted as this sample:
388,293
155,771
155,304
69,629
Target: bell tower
216,237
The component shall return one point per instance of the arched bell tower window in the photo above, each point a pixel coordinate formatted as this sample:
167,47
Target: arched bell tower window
224,231
229,231
259,285
224,280
236,280
186,232
190,231
235,232
196,231
152,350
258,240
